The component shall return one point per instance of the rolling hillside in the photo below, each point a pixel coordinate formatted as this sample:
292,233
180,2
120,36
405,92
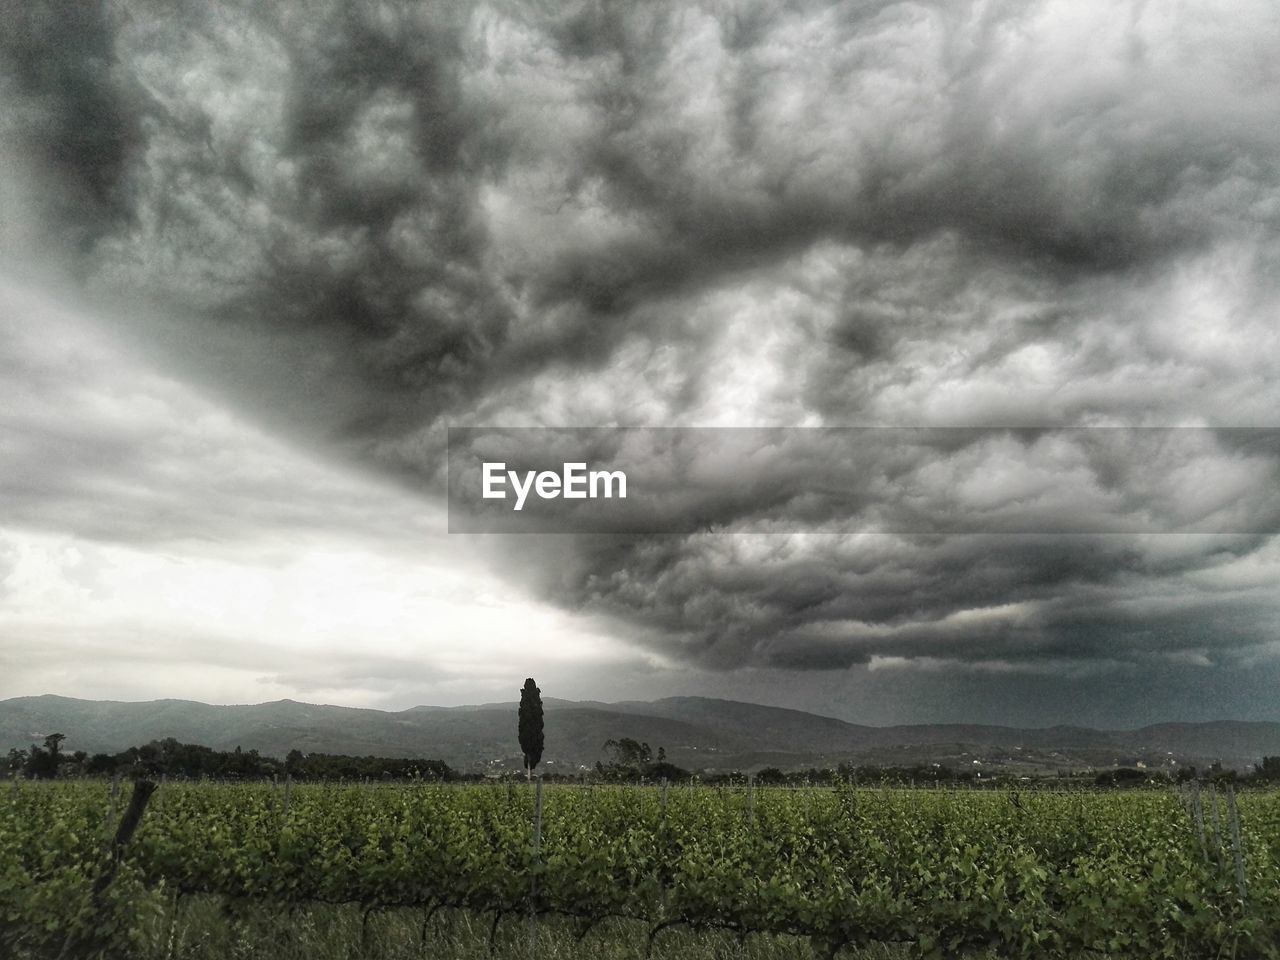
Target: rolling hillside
697,732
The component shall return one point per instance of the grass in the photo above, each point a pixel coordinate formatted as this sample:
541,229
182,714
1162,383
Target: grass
202,928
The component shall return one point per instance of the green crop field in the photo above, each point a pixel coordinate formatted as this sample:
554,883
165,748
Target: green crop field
416,871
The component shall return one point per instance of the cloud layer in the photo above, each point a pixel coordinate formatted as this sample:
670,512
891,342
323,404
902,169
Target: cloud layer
360,224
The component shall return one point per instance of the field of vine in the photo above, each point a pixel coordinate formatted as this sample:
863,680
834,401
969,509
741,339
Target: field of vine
941,873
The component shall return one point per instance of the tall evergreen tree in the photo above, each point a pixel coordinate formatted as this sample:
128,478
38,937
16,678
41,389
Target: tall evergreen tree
531,739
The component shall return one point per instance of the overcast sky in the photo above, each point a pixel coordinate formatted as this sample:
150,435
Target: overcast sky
255,259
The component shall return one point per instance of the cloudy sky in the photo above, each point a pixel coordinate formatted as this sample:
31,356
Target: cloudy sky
255,260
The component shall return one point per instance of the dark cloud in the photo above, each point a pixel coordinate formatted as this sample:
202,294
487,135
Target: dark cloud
302,182
429,205
828,602
71,109
876,480
364,223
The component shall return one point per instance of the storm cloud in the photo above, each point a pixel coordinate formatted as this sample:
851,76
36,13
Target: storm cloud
359,225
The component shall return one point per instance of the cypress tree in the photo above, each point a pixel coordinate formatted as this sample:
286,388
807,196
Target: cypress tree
530,726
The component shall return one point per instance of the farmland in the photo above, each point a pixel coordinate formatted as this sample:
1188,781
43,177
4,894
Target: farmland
630,871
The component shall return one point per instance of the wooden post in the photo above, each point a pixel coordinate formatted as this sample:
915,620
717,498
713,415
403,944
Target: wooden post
1199,815
111,809
82,941
537,859
537,816
1236,851
288,783
1217,822
751,799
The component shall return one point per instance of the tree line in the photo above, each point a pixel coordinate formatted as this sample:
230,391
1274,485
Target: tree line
629,761
169,757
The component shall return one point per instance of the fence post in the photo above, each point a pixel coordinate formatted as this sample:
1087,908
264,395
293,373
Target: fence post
537,860
111,808
537,816
751,799
1199,817
1236,851
1217,822
83,939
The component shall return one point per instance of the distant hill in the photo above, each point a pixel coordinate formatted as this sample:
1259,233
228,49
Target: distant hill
697,732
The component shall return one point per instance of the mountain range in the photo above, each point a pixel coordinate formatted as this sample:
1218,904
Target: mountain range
697,733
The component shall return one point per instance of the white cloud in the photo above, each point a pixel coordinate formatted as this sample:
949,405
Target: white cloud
155,544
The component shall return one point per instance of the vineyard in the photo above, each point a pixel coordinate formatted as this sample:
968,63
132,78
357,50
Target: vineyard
939,872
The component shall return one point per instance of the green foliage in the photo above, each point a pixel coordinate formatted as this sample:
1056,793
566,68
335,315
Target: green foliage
1122,777
631,761
170,758
40,763
52,849
1025,874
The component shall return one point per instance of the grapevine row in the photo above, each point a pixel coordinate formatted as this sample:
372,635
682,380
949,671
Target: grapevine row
1034,875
